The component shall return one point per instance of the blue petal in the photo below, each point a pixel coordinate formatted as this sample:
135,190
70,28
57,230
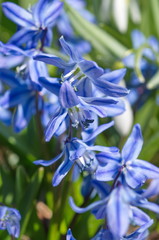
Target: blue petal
11,61
103,149
37,69
83,86
24,35
107,110
53,60
133,145
118,212
51,84
38,11
104,158
102,188
137,38
113,110
62,127
91,69
154,43
99,110
147,169
98,130
17,14
49,37
129,61
23,114
52,13
88,208
110,89
76,150
134,177
54,124
152,189
108,172
99,212
15,96
61,172
67,96
88,131
12,49
99,101
69,50
69,235
115,76
9,77
148,205
5,116
139,217
46,163
141,233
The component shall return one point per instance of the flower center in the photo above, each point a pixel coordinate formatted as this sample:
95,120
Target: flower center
87,162
74,77
80,116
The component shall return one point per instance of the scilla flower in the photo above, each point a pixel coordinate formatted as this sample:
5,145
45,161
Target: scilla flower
9,219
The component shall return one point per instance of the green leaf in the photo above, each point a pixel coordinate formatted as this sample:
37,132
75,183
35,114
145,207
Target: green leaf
27,201
138,58
154,81
101,40
7,187
150,148
27,4
15,143
21,181
154,7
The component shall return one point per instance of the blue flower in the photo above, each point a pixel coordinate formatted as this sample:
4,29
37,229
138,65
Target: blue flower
80,110
127,165
69,235
77,152
140,233
25,90
80,71
65,28
5,116
35,24
118,207
144,68
23,95
10,220
148,46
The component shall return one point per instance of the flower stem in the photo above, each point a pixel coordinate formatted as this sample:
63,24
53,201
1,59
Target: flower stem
43,146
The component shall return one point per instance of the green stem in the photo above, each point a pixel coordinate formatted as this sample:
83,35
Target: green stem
12,237
39,127
60,197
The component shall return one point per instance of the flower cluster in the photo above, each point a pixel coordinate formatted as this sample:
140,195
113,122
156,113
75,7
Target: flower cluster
69,107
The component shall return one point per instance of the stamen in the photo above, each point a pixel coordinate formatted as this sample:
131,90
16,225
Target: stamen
73,76
78,115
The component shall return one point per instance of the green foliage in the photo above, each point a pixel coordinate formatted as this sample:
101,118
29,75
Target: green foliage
22,184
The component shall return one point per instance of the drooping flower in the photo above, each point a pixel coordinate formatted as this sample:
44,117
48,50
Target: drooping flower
127,165
10,220
119,208
78,109
79,153
35,24
23,95
79,70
